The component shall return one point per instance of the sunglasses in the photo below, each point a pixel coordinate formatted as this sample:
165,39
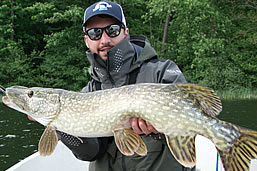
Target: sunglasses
111,30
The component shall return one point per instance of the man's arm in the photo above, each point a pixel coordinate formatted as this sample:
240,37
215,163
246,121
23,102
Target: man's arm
89,149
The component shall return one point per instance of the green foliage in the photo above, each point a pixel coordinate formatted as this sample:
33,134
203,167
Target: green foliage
213,42
243,41
64,70
134,19
15,65
6,28
63,64
200,42
40,53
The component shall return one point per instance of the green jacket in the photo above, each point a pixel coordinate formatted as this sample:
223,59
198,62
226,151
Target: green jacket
132,55
123,60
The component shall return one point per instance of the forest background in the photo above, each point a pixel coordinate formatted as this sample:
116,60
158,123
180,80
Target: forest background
213,42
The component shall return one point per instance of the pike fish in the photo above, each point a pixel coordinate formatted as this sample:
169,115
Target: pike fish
180,111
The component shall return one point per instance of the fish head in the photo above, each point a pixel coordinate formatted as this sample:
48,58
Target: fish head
42,104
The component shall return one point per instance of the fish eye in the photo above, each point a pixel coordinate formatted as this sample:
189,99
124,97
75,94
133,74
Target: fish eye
30,93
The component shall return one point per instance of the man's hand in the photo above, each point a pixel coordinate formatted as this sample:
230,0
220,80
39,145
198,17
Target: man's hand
140,126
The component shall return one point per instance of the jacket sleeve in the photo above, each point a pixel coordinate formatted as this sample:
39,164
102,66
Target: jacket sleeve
86,149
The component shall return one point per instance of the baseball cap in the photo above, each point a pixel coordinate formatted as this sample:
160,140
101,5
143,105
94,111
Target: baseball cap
104,8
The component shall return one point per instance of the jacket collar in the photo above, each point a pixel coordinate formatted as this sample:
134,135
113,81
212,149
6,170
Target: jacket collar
113,72
120,62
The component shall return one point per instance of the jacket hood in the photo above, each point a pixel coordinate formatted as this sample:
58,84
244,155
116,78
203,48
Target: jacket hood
147,52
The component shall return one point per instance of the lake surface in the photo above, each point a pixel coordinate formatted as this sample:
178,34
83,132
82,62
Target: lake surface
19,136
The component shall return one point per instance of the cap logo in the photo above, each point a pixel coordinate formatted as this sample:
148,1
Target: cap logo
102,6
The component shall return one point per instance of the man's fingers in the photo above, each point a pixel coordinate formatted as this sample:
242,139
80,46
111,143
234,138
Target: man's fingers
140,126
135,126
143,126
151,128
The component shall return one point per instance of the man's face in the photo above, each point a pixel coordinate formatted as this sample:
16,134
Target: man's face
105,43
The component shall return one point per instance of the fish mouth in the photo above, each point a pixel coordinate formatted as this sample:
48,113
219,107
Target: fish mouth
6,100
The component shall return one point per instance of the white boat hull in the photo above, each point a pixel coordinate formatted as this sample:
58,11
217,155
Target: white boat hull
63,159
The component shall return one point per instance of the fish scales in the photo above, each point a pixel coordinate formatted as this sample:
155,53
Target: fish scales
100,106
116,104
141,101
180,111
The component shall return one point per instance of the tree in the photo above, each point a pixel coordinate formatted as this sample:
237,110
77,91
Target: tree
199,41
213,42
243,39
64,53
14,65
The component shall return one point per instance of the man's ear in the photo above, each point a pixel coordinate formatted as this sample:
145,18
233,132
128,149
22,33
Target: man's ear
126,31
85,39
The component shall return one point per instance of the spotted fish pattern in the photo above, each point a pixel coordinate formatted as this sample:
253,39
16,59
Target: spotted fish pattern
179,111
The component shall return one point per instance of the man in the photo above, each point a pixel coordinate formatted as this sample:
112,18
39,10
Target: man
119,59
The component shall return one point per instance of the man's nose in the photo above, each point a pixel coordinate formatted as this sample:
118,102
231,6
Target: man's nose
105,38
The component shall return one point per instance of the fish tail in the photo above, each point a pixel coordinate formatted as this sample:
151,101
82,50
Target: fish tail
242,152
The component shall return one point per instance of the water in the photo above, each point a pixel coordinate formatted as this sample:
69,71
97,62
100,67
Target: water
19,136
240,112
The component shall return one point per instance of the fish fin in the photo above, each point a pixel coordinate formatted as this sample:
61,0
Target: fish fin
205,97
129,142
243,150
48,141
142,150
44,121
183,149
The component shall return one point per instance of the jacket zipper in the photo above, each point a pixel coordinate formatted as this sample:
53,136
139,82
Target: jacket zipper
108,72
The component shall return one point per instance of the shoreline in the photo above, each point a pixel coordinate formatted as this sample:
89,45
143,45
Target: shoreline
237,94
